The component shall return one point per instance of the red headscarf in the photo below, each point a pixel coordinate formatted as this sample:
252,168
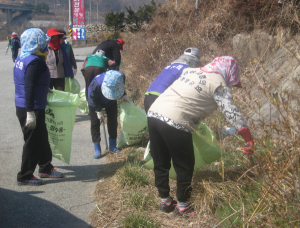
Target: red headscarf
55,44
227,67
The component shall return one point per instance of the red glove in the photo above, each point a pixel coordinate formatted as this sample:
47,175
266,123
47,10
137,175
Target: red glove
245,133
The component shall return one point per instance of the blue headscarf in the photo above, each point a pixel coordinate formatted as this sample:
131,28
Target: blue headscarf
33,40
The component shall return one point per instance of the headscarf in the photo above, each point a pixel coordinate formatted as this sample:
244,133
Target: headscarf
14,35
33,40
227,67
191,57
113,85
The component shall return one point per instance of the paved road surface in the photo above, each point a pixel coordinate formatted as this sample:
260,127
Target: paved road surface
63,202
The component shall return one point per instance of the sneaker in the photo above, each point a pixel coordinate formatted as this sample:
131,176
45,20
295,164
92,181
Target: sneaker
187,212
32,182
53,174
167,208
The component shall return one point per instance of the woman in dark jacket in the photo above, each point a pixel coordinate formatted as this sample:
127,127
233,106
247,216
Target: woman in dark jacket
103,92
112,49
14,44
32,78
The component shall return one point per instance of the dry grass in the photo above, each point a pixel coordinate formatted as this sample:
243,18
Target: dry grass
115,202
229,192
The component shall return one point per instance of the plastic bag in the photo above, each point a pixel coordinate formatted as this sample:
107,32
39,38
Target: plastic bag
147,155
60,119
83,105
72,85
134,124
206,150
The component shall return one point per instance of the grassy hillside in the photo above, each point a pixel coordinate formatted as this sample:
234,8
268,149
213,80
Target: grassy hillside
229,192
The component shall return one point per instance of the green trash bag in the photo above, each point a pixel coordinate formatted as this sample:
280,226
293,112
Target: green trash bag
206,150
147,155
133,123
60,119
72,85
83,105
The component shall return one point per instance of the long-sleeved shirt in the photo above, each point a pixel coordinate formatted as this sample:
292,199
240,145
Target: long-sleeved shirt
111,49
223,97
34,70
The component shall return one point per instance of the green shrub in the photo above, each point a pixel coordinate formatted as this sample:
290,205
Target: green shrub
114,36
115,20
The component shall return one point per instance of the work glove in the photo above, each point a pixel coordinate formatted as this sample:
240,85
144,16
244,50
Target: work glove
74,71
30,120
248,149
100,116
126,99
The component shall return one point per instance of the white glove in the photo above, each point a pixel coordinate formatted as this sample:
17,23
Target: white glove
74,71
100,116
126,99
30,120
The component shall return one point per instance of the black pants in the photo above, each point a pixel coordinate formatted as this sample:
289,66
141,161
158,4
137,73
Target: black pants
90,73
112,122
36,149
149,100
57,83
14,53
168,143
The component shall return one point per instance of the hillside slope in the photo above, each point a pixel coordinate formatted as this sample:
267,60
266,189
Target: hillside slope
264,38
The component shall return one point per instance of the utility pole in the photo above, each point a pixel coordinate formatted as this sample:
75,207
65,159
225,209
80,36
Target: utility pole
97,14
91,11
70,13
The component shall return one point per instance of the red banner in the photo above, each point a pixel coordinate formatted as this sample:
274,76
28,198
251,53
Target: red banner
78,14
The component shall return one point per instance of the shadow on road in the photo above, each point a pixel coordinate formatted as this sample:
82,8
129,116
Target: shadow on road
80,118
22,209
86,173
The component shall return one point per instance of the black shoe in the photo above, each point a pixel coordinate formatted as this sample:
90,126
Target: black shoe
167,208
187,212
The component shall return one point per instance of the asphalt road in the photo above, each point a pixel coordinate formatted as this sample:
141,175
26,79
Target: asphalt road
64,202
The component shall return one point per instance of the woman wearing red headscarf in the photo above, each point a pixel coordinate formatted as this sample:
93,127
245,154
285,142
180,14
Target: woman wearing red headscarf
58,61
177,112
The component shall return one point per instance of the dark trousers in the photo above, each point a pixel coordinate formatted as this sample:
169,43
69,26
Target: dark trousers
112,122
170,143
149,100
57,83
36,149
14,53
90,73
